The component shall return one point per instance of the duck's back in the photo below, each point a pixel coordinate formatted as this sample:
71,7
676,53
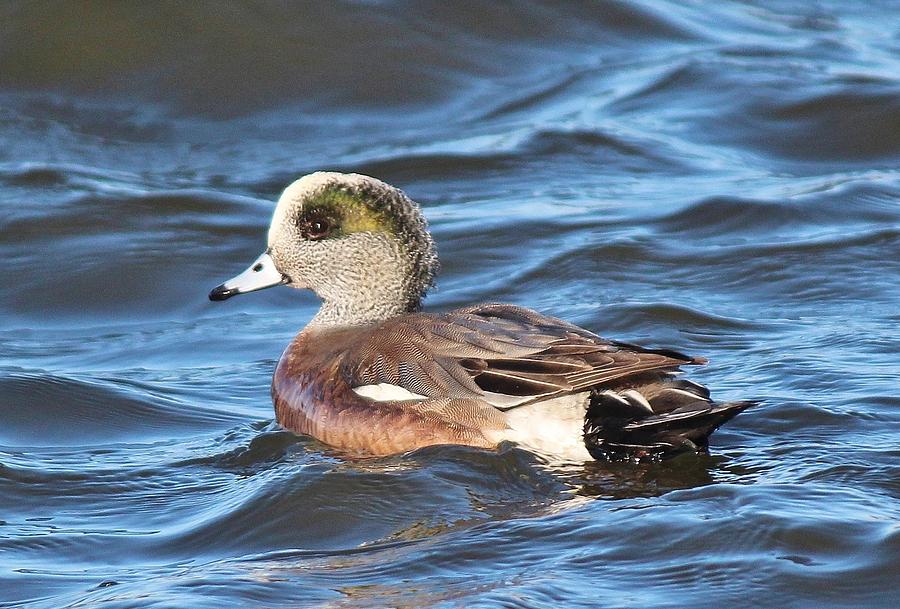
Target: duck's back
488,373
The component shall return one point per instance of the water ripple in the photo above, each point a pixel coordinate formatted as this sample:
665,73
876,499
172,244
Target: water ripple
720,178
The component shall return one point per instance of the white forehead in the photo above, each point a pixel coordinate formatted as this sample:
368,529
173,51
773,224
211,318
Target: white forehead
309,184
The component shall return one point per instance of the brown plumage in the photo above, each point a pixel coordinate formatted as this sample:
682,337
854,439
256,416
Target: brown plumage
467,364
370,374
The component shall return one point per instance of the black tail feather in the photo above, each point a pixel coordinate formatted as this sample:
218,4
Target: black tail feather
617,428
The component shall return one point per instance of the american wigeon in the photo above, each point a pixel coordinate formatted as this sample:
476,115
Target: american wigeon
371,374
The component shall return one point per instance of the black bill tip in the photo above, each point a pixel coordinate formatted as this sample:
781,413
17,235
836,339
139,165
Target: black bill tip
220,292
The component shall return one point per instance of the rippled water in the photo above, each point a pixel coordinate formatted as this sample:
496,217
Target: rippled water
722,178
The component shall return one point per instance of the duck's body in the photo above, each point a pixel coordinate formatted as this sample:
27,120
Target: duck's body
370,374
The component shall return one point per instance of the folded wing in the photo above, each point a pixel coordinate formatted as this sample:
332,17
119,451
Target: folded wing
505,355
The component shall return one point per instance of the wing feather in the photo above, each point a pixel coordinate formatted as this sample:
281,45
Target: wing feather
499,354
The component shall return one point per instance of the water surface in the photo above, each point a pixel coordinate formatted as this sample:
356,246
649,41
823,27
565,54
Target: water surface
720,178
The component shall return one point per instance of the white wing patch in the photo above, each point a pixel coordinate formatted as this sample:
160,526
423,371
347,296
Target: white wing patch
385,392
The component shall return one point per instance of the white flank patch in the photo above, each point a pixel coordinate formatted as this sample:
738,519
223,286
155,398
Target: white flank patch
551,428
385,392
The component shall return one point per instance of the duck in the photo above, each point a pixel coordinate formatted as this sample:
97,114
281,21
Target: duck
373,374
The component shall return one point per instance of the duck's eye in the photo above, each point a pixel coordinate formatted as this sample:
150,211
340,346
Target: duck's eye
316,228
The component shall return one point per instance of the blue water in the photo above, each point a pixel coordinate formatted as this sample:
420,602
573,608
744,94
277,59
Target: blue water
721,178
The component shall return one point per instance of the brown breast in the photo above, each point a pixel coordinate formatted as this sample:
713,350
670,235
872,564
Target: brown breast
313,396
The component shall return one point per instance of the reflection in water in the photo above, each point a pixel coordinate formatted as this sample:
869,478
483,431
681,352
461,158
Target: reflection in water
626,481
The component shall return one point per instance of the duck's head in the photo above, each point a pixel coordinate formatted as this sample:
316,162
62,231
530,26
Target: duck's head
361,245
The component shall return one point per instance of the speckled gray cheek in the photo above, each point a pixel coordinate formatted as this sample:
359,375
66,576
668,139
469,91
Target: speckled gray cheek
295,258
381,261
361,278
